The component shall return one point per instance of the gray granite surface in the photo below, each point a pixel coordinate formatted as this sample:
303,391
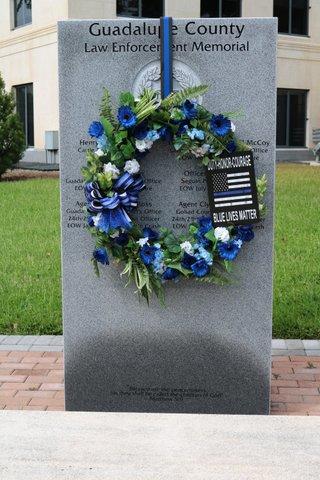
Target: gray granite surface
208,350
126,446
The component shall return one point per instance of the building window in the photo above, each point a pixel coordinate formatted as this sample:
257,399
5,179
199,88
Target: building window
220,8
292,16
22,12
24,105
140,8
291,118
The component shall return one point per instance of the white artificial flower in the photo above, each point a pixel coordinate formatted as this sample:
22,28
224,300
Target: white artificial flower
187,247
233,127
110,168
132,166
116,234
96,219
99,152
143,145
198,152
201,151
205,148
142,241
222,234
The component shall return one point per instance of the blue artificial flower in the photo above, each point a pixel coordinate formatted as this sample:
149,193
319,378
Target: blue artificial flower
205,224
127,118
170,274
203,254
113,218
195,133
238,242
187,261
203,241
189,109
183,126
245,233
147,254
122,239
153,135
140,131
200,268
228,250
101,256
220,125
150,234
165,133
102,142
90,221
231,146
96,129
157,263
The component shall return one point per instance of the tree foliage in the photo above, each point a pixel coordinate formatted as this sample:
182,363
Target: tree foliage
12,140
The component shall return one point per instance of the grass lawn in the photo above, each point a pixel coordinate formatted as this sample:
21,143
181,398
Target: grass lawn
30,296
297,243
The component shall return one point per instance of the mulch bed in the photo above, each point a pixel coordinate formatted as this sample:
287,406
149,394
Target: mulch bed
19,174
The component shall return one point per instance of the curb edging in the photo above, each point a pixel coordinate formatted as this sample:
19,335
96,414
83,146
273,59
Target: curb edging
54,343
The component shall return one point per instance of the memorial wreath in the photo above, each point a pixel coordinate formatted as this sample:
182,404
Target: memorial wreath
113,183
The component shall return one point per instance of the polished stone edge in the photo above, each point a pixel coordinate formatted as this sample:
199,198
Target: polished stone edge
97,446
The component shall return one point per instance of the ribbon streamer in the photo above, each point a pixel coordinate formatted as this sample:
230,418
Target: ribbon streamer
112,210
166,56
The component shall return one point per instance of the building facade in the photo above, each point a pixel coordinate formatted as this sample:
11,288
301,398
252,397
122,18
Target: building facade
29,60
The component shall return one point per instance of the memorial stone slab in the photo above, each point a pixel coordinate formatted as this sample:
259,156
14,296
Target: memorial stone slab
208,350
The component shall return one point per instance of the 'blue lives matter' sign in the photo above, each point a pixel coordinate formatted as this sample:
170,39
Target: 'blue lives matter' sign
232,190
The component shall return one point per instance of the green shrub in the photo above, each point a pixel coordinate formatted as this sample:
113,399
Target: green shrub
12,140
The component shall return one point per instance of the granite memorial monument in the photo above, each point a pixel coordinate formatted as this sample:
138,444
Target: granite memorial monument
208,350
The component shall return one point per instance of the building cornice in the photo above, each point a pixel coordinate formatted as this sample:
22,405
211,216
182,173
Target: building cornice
291,43
15,39
295,49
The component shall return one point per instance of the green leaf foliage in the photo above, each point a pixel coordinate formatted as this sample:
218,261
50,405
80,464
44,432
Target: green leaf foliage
95,267
176,99
108,127
172,243
242,146
126,98
104,180
120,136
261,183
215,277
106,107
180,268
12,139
210,235
144,280
127,150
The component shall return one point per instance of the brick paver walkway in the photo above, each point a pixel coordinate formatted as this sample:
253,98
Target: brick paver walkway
33,380
295,386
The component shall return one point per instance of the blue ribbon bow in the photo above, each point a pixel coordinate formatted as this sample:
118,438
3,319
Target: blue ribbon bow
113,209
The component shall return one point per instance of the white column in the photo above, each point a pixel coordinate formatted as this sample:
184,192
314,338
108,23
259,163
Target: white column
93,9
257,8
182,8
